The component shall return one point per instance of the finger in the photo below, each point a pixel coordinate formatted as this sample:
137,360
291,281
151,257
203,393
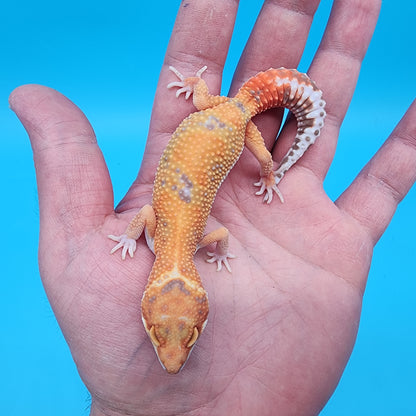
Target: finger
373,196
335,69
73,183
277,39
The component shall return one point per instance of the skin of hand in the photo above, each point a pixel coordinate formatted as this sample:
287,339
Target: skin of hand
282,326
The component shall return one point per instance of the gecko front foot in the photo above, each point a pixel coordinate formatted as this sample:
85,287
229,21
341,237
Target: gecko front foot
268,185
127,244
186,84
220,259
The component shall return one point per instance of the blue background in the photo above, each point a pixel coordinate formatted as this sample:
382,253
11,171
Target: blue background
106,58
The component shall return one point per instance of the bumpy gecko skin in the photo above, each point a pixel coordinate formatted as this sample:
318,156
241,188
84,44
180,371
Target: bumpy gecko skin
197,159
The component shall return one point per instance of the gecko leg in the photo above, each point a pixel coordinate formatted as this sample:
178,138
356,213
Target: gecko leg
145,220
267,183
221,254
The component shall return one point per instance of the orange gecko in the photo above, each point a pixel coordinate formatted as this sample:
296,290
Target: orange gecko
197,159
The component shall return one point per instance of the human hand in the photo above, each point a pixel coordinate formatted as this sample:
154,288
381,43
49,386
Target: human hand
282,326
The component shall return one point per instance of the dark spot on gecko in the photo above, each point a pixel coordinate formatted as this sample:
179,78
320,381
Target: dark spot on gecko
255,95
185,195
185,192
175,283
200,299
240,106
213,122
186,181
152,299
307,122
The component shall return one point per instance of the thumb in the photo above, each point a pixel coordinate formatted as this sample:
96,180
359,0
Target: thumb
74,186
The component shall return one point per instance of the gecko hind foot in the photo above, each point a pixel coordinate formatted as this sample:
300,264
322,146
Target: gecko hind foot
127,244
264,187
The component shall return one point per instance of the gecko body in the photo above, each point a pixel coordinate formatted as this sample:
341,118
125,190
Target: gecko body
197,159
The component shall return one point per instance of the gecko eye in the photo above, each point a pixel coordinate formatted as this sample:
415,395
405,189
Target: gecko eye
153,337
194,337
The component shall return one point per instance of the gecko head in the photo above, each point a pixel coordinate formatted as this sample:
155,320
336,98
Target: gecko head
174,314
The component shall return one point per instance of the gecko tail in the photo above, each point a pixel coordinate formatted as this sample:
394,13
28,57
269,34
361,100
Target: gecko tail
280,87
295,91
290,89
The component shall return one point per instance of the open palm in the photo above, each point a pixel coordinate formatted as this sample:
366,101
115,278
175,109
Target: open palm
282,325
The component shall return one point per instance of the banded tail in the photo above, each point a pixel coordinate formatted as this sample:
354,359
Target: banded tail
295,91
